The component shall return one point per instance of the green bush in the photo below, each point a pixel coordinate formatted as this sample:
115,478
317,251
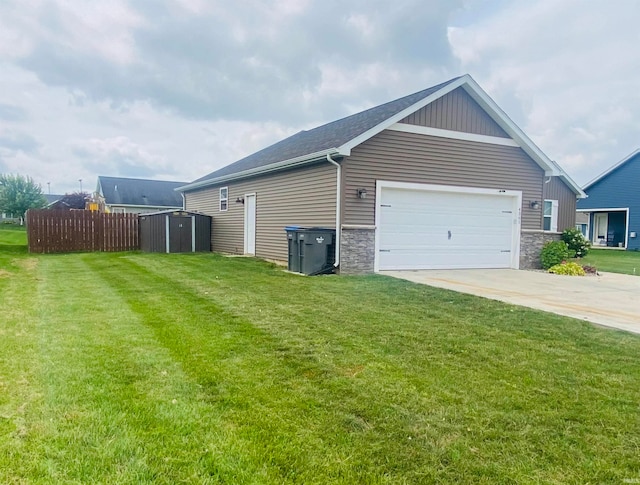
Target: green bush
576,242
554,252
571,269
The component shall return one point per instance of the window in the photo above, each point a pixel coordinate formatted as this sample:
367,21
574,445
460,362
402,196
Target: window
224,198
584,229
550,221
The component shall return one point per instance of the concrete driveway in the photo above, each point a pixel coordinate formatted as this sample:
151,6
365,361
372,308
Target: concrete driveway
610,299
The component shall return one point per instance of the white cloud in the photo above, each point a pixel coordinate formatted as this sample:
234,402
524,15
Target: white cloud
568,70
178,88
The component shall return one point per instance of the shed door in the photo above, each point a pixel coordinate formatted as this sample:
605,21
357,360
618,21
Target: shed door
431,229
180,235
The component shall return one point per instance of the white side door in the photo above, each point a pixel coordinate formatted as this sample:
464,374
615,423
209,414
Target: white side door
250,224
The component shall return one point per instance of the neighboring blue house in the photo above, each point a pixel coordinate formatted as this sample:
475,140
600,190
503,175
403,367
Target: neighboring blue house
613,205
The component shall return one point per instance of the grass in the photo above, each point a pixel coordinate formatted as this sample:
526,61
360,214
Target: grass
154,368
614,261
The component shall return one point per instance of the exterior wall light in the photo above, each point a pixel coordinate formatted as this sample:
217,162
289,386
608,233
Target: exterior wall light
240,200
534,204
362,193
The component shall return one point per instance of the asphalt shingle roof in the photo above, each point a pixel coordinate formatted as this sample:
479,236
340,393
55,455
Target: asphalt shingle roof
140,192
325,137
51,198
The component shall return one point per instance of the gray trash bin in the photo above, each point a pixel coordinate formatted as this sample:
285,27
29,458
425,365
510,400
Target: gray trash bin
316,247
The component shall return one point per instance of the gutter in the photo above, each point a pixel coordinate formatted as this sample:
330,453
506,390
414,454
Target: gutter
338,206
292,162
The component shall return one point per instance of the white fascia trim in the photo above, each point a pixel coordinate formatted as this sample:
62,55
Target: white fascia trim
493,110
456,135
606,209
550,167
611,169
347,147
516,194
159,207
292,162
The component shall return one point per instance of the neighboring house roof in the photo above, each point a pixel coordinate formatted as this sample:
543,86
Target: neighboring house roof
611,169
52,198
139,192
339,137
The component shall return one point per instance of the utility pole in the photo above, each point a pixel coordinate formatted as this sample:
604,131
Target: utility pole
80,180
49,187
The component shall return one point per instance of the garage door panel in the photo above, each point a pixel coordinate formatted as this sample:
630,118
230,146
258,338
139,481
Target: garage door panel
423,229
434,259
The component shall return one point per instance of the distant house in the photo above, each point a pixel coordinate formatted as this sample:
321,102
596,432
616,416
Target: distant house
135,196
612,208
441,178
52,199
4,217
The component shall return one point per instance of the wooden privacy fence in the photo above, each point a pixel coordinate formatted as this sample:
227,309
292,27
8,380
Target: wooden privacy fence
65,231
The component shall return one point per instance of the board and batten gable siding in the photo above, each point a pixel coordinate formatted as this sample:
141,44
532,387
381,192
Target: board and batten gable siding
556,189
304,196
409,157
456,111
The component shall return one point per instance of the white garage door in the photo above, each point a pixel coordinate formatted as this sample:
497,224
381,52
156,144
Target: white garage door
433,227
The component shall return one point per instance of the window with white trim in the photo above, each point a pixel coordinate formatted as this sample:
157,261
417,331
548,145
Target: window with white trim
550,216
224,198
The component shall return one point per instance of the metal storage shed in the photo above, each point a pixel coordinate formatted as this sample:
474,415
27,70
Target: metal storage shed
175,232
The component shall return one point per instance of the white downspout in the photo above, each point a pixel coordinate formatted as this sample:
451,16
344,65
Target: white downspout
338,206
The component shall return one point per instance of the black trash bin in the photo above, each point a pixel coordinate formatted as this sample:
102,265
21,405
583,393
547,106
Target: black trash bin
311,250
316,250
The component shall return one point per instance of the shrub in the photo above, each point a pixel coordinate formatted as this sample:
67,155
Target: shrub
576,241
554,252
571,269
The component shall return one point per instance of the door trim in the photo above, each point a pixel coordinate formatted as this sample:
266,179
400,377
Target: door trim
517,210
594,212
249,236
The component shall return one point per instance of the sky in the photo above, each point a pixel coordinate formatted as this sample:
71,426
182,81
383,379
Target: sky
175,89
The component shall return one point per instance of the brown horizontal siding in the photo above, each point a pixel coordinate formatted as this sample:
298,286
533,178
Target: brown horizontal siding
409,157
304,196
456,111
556,189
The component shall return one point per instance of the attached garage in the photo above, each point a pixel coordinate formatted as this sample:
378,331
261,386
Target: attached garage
420,226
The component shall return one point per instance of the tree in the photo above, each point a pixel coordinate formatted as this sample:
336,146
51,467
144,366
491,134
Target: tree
18,194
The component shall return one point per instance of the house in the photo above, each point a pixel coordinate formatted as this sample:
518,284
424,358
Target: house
52,198
612,209
134,196
11,218
441,178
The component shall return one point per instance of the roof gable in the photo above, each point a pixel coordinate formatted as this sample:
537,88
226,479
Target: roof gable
139,192
616,187
52,198
633,157
341,136
456,111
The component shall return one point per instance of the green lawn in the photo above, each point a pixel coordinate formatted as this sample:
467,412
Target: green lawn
153,368
614,261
